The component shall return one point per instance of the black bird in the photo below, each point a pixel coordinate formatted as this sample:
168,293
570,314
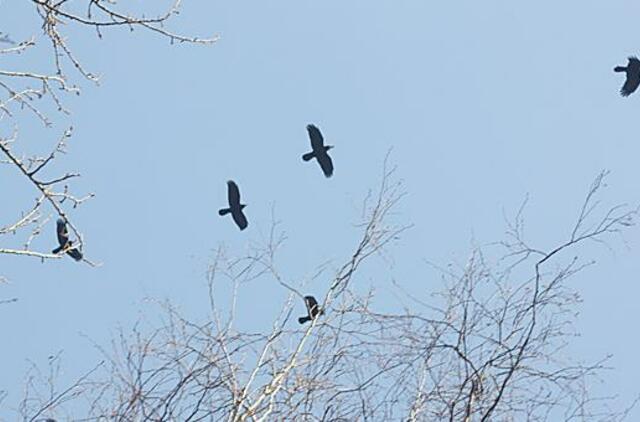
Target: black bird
312,309
65,244
633,76
319,151
235,207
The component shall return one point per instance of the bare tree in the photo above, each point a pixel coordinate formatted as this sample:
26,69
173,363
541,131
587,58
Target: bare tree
40,94
487,346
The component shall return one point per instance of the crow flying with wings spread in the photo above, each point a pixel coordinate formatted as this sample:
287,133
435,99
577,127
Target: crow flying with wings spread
319,151
312,309
235,207
633,76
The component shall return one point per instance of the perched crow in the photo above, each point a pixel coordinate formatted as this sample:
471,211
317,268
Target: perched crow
319,151
312,309
65,243
235,207
633,76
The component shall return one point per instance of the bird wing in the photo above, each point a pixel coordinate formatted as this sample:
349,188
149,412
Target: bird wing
311,303
325,164
233,193
633,77
75,254
240,219
631,83
62,232
317,141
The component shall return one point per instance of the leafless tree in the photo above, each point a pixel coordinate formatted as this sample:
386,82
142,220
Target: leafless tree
38,95
487,346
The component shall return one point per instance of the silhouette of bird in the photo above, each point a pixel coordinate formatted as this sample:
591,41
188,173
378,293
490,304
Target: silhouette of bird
633,76
235,207
319,151
65,243
312,309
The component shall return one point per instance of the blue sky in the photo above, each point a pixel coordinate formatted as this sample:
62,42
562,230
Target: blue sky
482,103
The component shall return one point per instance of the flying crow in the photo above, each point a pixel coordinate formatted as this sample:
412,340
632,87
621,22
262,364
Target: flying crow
66,245
319,150
633,76
312,309
235,207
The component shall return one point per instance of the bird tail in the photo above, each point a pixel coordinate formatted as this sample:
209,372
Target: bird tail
619,69
224,211
308,156
302,320
57,250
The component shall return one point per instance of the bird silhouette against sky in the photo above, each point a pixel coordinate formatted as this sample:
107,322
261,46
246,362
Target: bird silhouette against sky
235,207
633,76
312,309
319,151
66,245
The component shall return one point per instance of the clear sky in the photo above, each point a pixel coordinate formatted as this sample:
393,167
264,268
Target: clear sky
482,102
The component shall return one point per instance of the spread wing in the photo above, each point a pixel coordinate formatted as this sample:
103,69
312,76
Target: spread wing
630,85
325,164
240,219
633,77
234,193
75,254
312,304
317,141
62,232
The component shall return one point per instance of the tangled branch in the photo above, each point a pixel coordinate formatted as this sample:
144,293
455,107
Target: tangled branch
488,346
30,93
